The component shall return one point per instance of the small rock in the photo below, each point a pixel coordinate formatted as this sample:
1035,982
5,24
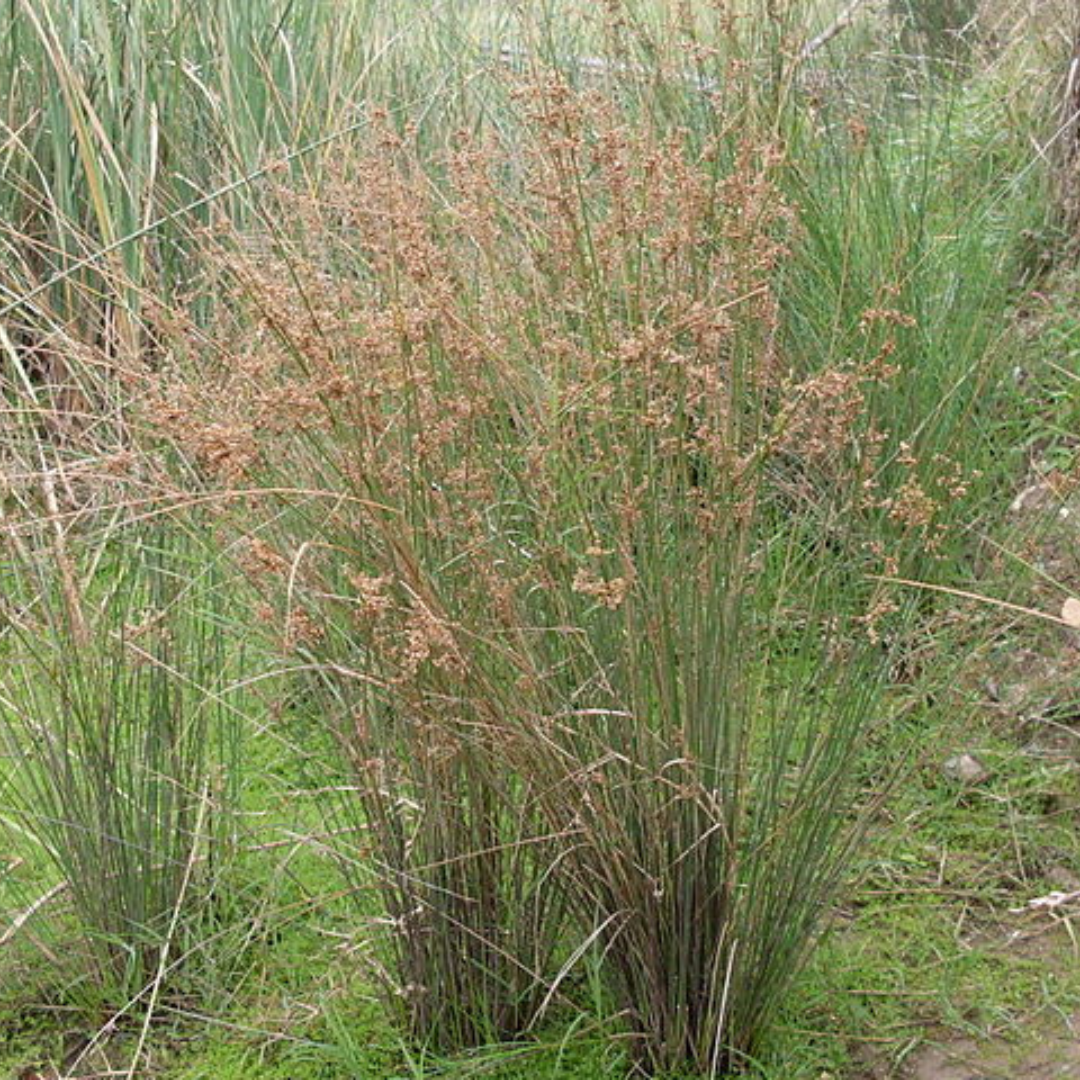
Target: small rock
965,769
1035,497
1063,879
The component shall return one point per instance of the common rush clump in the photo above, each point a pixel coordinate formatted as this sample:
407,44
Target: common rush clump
532,408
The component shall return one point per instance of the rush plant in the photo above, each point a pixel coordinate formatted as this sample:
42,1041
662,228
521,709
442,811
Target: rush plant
530,415
119,738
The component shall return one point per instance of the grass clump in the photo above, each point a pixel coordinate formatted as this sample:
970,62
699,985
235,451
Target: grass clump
119,738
